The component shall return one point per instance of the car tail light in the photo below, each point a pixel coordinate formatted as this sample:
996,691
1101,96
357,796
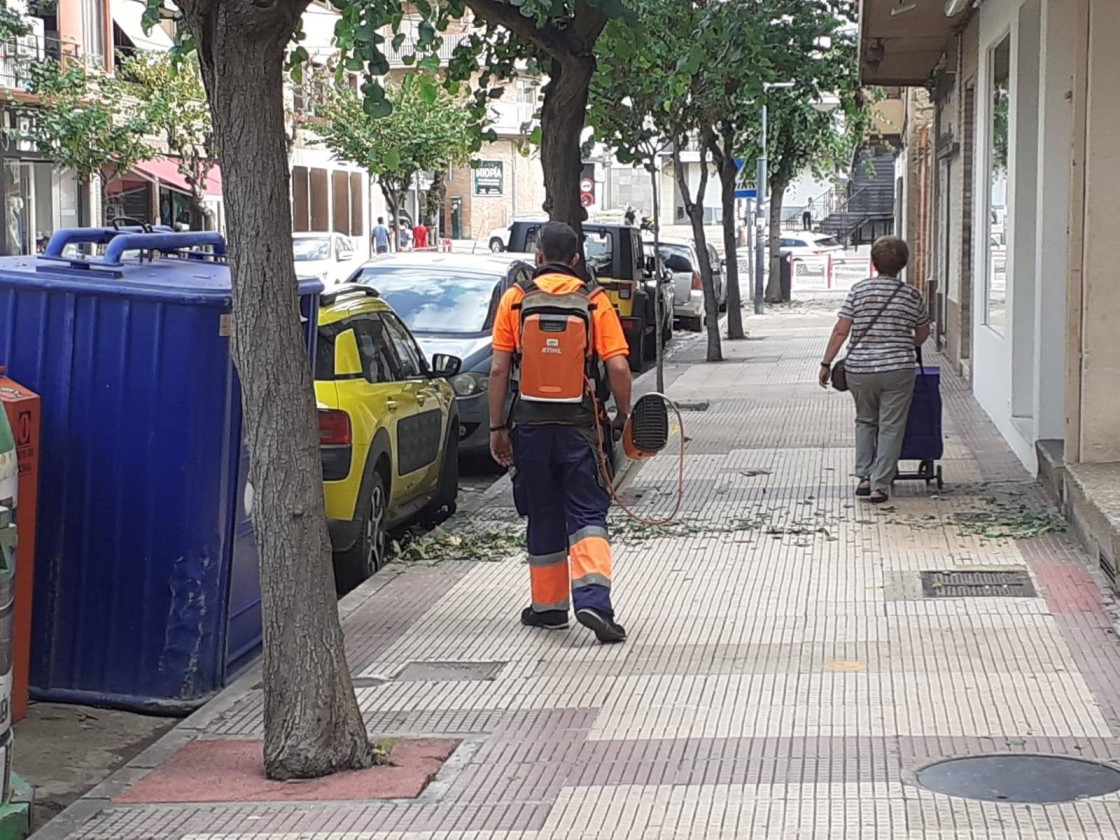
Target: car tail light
697,282
334,428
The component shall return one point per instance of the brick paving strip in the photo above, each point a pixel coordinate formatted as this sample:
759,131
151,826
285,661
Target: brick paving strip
784,677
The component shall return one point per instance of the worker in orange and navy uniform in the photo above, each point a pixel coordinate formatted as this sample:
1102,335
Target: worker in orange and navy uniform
562,340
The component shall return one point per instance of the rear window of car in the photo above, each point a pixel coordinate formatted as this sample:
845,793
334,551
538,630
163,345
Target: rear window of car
827,242
434,302
680,251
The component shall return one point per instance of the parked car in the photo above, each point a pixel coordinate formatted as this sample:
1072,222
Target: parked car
808,245
688,300
325,256
449,302
388,428
498,241
655,267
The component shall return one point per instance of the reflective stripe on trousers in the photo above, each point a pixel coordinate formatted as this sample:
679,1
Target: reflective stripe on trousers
558,476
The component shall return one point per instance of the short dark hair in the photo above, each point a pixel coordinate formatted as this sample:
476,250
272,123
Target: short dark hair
558,242
381,220
890,254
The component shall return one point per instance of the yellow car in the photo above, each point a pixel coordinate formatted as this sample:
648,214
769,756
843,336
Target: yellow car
388,428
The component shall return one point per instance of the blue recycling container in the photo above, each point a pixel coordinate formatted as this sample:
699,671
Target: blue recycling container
146,588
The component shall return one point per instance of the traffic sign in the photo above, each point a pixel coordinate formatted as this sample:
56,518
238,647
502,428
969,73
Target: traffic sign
586,199
739,164
746,193
587,186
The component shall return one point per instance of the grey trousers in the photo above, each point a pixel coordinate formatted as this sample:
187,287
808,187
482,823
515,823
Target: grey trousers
882,404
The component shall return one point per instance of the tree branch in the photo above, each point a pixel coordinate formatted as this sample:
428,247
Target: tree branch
548,39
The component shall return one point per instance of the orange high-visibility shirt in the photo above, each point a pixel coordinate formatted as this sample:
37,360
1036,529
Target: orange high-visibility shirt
607,334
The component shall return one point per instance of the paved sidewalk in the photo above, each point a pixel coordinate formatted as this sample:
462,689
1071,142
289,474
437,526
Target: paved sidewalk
784,675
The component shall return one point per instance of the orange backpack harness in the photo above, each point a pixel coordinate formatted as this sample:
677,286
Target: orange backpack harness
555,356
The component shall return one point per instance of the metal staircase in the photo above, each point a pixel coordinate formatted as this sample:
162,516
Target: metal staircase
865,210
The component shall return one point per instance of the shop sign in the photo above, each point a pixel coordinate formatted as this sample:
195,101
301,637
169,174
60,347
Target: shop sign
489,178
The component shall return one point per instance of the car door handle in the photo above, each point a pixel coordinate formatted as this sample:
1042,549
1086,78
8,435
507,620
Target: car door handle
391,404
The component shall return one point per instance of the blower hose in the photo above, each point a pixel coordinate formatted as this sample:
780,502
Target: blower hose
649,432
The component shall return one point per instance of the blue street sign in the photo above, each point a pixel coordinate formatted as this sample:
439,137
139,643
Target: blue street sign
748,193
739,165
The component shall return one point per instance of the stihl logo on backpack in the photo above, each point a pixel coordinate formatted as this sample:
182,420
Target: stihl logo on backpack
555,346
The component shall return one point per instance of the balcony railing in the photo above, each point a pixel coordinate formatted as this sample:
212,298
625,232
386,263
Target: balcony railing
396,57
17,53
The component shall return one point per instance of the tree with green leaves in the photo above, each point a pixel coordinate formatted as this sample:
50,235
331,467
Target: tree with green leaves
312,724
170,96
660,75
800,136
424,132
84,121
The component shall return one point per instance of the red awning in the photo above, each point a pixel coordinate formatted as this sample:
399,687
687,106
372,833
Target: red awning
166,172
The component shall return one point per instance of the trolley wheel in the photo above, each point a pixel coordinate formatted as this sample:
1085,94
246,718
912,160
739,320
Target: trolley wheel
940,481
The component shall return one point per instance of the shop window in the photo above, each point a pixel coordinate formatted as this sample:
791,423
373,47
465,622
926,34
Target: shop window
320,200
999,220
301,207
340,195
38,199
357,223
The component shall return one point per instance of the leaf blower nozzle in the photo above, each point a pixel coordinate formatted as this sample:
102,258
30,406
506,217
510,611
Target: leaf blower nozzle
647,430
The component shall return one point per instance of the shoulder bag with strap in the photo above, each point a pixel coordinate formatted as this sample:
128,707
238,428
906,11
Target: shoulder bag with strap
839,370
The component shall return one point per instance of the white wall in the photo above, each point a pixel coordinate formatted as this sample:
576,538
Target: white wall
372,205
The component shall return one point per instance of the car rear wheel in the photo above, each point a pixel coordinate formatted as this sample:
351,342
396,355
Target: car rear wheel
369,551
497,246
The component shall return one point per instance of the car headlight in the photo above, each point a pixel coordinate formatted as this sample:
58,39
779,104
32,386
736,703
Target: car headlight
470,383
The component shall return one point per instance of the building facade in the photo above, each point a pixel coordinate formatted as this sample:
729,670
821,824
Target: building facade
1018,201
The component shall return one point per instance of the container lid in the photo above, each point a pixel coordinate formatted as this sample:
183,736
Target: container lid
181,274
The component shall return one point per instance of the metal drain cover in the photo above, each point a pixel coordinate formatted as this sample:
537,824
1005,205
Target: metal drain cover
1038,779
449,671
1014,583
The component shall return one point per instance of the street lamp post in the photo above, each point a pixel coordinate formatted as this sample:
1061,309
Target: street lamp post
761,191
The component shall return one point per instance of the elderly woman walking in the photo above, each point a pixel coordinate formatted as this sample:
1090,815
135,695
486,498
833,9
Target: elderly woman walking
883,320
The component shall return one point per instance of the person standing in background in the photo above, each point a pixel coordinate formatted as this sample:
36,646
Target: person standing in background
381,236
420,235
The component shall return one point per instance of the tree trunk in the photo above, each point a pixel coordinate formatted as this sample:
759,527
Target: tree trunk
437,195
695,210
312,724
774,282
728,174
562,118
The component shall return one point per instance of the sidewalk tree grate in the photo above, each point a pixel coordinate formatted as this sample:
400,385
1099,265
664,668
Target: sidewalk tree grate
1022,778
1014,583
449,671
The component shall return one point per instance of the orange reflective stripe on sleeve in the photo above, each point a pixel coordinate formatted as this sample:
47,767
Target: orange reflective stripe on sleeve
506,327
548,579
610,340
591,558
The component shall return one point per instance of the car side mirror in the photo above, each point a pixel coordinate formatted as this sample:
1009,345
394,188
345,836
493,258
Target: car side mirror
678,263
445,366
347,360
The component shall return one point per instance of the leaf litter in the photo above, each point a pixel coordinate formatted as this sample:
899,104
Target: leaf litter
495,536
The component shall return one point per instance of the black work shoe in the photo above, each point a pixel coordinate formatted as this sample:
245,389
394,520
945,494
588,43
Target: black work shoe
606,630
548,620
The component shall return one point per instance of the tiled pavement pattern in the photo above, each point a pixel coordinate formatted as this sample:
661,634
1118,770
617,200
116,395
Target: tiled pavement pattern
784,676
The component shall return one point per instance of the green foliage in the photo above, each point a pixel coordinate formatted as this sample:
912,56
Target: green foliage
84,120
424,130
12,23
169,93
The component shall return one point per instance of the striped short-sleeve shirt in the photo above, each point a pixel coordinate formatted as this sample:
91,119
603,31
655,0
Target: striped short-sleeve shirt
889,344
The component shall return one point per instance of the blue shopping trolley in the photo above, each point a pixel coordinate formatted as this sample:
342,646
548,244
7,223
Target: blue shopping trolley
924,441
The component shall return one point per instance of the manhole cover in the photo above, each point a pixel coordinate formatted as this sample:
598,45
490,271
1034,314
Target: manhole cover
1003,584
1039,779
448,671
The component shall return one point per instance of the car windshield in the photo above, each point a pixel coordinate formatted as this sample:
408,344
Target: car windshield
431,302
308,248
